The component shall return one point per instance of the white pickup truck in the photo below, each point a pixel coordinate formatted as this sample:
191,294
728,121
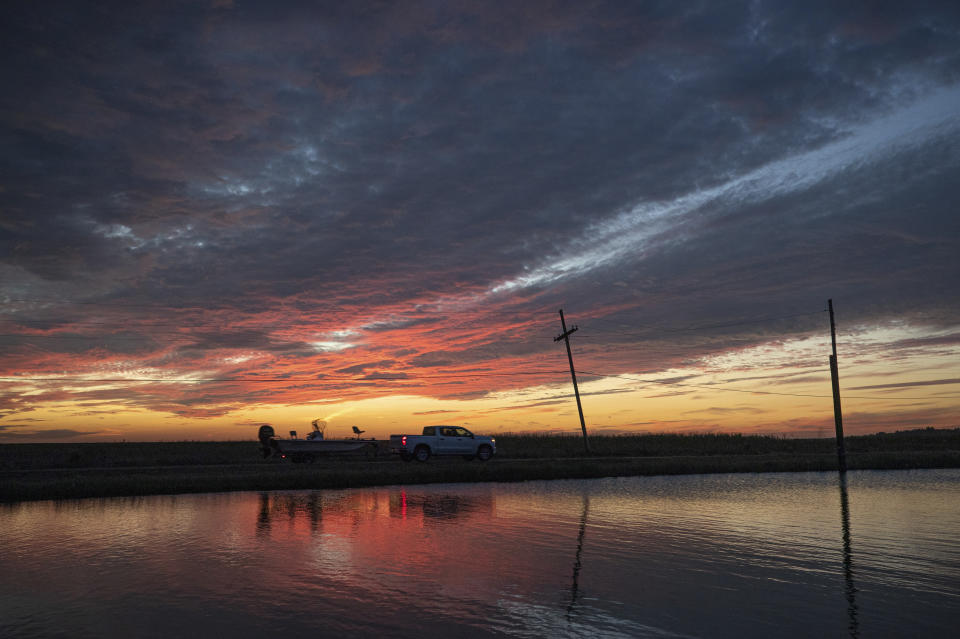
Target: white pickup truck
443,440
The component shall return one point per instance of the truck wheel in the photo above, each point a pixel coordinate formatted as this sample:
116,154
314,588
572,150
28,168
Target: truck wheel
406,457
421,453
484,453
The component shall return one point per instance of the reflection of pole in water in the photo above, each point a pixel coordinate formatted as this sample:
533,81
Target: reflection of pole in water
263,517
314,510
850,589
575,587
296,507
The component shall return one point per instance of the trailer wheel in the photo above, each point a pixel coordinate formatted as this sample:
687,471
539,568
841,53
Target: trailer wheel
484,453
421,453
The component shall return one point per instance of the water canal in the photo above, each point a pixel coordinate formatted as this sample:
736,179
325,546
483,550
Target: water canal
751,555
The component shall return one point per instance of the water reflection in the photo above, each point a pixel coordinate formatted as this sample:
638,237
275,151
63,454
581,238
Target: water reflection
294,508
263,515
575,587
850,589
717,556
288,506
437,507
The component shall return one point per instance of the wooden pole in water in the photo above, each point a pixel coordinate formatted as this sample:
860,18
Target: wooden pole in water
565,336
835,383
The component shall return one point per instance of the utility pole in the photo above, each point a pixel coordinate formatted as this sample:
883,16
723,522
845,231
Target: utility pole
835,381
565,336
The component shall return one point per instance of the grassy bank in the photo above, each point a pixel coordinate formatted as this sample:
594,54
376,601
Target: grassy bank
53,471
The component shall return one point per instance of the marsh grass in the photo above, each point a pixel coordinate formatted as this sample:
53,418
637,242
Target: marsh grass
665,444
657,445
123,454
57,471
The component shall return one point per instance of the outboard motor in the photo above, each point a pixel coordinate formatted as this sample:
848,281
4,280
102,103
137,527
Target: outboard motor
265,435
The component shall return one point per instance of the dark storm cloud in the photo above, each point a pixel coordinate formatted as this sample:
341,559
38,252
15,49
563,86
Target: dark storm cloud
441,147
360,165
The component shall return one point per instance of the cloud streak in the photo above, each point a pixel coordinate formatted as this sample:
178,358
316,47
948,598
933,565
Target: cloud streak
932,119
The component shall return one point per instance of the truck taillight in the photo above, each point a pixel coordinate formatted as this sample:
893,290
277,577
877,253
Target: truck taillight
403,440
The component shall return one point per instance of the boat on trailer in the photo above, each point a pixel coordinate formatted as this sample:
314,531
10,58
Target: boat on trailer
314,445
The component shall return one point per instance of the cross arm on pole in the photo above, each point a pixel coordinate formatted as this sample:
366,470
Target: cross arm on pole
565,336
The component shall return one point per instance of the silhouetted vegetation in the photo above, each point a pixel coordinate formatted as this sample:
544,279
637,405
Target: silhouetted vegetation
54,471
535,446
125,454
656,445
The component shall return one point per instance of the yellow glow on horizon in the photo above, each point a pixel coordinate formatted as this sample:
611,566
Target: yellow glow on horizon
782,386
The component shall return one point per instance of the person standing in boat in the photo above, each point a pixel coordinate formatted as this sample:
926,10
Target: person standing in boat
318,427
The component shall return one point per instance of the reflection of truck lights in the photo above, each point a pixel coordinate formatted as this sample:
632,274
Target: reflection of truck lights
403,504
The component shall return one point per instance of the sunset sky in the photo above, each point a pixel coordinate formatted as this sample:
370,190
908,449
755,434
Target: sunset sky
218,215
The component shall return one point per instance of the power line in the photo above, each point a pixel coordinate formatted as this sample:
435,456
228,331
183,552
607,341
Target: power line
279,303
753,392
386,376
705,326
125,323
103,337
329,378
324,378
414,378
